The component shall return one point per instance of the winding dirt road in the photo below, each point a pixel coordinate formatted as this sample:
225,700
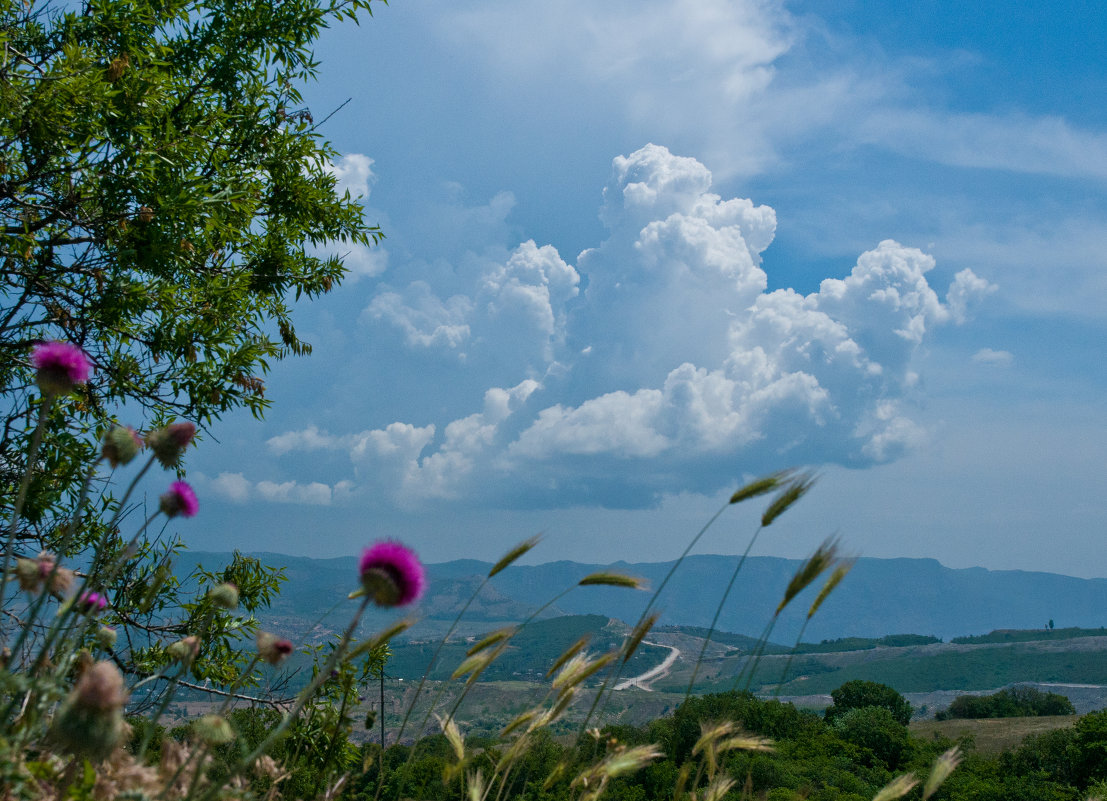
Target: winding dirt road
643,681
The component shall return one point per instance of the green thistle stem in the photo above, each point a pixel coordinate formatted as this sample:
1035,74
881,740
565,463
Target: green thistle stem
20,499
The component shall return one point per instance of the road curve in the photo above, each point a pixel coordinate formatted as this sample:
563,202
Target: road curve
643,681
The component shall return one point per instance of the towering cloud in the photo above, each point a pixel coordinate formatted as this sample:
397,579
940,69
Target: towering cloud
659,362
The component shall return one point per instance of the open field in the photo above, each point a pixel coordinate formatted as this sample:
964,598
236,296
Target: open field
994,735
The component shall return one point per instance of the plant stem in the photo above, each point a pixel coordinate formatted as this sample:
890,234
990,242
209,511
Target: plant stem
613,678
791,655
718,611
21,498
309,691
430,666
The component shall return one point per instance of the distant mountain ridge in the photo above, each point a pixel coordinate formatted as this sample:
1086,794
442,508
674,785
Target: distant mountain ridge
879,597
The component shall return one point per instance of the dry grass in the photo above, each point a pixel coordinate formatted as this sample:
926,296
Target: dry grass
992,735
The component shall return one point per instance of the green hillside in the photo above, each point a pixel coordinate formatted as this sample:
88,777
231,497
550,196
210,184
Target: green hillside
977,669
1029,635
529,654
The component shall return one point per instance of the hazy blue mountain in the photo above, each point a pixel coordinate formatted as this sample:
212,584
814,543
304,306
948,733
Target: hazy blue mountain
880,596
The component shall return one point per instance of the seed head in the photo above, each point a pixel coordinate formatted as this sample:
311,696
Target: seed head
943,766
897,788
516,552
792,493
610,579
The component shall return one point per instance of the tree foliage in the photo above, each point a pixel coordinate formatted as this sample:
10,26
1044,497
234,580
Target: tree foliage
858,694
165,198
1009,703
163,193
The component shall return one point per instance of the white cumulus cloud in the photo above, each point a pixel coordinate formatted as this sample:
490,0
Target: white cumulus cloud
426,320
353,173
674,369
237,488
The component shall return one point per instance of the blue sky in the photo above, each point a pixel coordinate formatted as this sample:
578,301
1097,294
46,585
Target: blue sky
638,252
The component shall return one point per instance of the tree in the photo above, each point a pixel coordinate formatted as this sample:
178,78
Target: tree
162,195
1009,703
858,694
876,730
1090,748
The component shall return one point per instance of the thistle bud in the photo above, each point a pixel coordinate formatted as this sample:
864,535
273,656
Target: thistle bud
91,603
213,730
106,638
224,595
121,445
185,650
27,573
90,721
180,499
169,443
59,580
273,649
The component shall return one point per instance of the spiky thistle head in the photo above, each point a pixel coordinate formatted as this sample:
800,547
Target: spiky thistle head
60,367
392,574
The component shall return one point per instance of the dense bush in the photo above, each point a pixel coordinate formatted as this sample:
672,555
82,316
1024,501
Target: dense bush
875,730
1014,702
858,694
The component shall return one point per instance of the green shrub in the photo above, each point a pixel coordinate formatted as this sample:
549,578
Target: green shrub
1008,703
858,694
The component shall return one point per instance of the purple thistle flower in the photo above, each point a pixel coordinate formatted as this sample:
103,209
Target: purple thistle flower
179,500
392,574
91,603
60,366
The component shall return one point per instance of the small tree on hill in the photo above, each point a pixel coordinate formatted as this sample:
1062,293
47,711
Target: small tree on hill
858,694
